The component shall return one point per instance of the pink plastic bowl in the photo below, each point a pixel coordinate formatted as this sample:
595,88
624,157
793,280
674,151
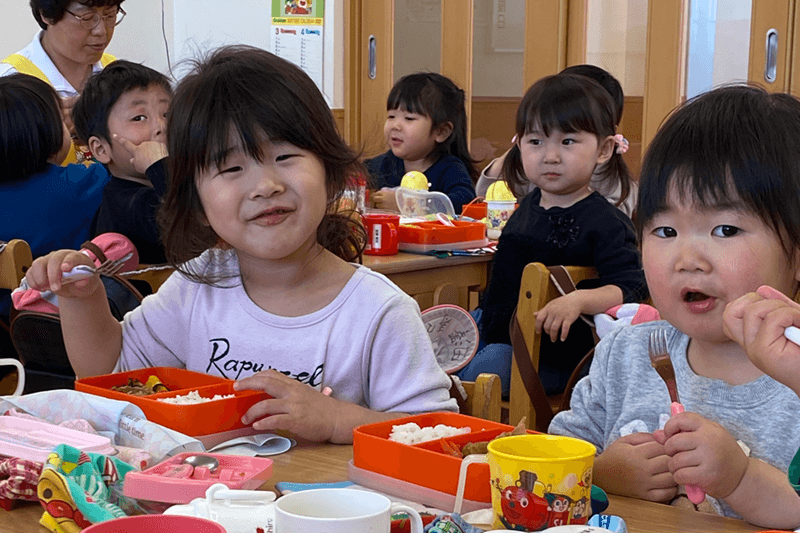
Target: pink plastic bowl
156,524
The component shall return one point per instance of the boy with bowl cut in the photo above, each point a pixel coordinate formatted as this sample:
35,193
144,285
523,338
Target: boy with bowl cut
121,116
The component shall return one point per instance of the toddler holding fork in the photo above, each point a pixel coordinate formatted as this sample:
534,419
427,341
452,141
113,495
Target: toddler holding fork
717,219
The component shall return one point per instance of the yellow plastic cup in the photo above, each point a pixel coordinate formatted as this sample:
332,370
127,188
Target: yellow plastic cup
540,481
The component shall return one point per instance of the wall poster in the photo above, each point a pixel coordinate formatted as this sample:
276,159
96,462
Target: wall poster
297,30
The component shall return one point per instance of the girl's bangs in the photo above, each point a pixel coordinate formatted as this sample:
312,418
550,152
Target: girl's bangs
555,110
706,172
407,96
239,116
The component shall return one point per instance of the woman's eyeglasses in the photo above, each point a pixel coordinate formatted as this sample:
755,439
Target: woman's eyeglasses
89,21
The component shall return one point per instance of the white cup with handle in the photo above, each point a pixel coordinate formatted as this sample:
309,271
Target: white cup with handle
339,511
20,374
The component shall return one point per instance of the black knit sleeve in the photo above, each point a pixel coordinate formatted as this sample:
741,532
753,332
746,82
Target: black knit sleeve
616,255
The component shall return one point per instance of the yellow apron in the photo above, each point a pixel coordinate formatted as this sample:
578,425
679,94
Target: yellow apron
26,66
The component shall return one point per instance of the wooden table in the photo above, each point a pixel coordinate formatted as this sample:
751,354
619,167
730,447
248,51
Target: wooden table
310,462
429,280
432,280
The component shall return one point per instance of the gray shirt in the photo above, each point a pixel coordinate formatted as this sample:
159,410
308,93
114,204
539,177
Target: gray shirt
623,394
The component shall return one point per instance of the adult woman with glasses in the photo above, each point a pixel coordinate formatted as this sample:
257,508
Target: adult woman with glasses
69,47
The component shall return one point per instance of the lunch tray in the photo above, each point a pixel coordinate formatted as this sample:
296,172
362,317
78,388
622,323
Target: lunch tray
436,233
235,471
426,464
194,420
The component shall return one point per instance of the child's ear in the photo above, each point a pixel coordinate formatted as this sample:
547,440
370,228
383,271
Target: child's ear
443,132
606,149
101,150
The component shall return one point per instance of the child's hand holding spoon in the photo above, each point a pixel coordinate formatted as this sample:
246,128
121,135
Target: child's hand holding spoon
761,322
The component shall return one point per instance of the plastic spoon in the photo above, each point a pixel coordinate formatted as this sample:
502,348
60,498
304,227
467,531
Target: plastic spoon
793,334
444,219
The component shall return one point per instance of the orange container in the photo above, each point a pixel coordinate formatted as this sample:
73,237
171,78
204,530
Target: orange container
193,419
438,233
426,464
475,209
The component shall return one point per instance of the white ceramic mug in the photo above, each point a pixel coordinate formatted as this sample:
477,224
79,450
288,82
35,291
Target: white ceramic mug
339,511
20,375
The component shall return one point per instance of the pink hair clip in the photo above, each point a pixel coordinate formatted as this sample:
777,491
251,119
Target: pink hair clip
622,143
514,139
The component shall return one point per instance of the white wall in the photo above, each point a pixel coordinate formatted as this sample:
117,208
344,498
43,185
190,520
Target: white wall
189,26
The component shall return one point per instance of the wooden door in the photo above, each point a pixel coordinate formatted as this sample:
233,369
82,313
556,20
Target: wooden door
667,49
370,61
370,29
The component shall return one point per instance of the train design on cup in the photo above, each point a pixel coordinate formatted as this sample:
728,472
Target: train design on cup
532,505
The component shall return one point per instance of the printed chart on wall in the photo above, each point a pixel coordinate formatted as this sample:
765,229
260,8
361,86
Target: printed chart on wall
297,30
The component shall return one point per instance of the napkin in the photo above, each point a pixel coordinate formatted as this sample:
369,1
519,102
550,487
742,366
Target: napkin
255,445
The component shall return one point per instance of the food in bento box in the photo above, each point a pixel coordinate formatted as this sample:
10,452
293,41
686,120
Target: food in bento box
471,448
194,397
135,387
411,433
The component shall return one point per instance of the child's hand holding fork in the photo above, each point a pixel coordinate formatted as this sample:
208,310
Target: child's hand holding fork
50,272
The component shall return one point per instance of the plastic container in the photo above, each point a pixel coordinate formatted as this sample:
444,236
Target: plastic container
410,491
239,511
425,248
34,440
156,524
234,471
415,203
193,419
426,464
436,233
475,209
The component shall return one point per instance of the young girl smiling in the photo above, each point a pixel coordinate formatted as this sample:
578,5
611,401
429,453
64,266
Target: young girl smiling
264,292
426,129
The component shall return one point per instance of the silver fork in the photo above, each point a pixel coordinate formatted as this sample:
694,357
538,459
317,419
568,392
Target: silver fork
659,358
108,267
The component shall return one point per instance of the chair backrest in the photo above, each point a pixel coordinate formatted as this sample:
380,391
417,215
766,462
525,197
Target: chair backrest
536,290
483,397
38,340
154,278
14,261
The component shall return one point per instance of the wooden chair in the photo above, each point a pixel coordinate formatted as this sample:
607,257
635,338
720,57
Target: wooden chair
536,290
14,261
483,397
155,278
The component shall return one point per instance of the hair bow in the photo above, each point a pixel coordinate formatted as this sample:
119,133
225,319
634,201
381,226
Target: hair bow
622,143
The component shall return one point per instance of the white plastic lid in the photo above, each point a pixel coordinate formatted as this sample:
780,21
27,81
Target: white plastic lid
414,203
34,441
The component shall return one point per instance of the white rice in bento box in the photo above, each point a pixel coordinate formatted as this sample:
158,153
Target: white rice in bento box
193,397
411,433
